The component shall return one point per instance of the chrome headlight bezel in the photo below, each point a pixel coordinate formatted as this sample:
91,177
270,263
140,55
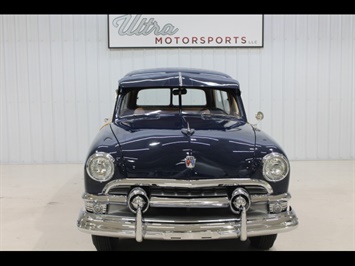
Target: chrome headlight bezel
107,159
270,161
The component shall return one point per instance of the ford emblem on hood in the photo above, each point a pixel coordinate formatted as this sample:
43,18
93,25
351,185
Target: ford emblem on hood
190,161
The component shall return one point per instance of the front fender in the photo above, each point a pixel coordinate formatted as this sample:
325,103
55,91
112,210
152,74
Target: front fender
264,145
105,141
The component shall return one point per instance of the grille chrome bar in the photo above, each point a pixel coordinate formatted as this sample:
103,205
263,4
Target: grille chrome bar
115,199
220,202
214,202
188,192
177,183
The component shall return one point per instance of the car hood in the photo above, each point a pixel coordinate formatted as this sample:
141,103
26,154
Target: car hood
162,147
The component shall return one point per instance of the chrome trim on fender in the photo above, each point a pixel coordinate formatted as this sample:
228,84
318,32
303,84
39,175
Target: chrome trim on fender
176,183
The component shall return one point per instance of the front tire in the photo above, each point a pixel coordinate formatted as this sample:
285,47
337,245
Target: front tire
103,243
263,242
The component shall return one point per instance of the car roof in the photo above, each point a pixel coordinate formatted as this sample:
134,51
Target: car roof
177,77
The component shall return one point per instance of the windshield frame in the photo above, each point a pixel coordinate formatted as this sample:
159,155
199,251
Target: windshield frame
209,108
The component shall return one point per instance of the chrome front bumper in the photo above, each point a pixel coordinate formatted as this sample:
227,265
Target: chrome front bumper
186,218
127,226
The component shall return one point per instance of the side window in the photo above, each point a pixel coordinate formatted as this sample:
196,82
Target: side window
124,108
222,101
226,102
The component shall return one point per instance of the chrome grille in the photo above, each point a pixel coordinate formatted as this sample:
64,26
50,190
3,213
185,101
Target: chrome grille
177,194
173,192
188,193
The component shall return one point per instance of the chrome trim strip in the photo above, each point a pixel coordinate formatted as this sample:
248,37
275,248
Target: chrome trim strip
220,202
180,79
114,199
125,226
177,183
265,198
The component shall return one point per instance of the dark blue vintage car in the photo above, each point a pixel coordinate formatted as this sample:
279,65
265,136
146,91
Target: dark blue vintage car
180,161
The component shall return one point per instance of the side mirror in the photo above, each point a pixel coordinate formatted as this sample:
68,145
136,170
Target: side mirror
259,116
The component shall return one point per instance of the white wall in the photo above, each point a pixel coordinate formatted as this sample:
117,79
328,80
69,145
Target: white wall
57,83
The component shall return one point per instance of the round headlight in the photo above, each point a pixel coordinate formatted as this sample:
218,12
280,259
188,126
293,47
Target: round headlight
100,166
275,167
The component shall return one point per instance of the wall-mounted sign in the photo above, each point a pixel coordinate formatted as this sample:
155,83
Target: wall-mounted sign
139,31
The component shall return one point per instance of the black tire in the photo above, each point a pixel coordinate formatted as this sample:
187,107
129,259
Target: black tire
103,243
262,242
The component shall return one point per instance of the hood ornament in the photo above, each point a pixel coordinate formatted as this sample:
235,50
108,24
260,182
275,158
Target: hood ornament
188,131
190,161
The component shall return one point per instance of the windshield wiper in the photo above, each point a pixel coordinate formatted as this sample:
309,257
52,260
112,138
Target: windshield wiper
219,116
141,116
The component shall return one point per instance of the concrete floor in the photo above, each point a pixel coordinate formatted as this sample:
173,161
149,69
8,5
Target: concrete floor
39,205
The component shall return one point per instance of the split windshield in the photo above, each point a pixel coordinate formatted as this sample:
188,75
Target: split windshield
175,100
